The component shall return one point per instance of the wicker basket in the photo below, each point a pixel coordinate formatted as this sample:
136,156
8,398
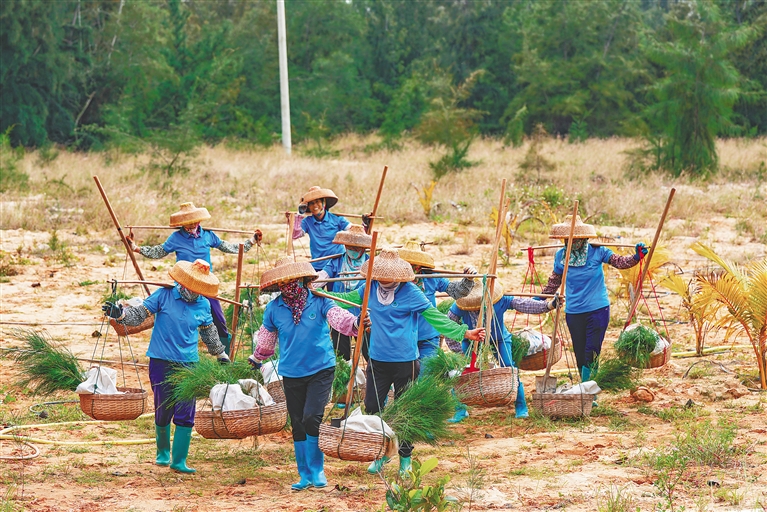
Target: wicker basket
276,390
345,444
561,406
241,424
125,330
493,387
127,406
538,360
658,360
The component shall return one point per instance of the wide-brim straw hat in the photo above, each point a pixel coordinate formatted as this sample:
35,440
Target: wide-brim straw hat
188,214
473,300
355,236
413,254
581,230
286,270
195,276
319,193
388,266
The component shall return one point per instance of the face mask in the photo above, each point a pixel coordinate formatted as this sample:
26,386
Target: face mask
188,295
355,255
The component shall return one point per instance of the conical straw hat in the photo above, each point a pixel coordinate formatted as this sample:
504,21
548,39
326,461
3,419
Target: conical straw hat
413,254
581,230
388,266
286,270
195,276
318,193
355,236
473,300
188,214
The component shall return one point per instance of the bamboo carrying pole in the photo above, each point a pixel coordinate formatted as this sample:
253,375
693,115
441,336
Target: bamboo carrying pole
544,387
361,321
594,244
131,255
219,230
378,200
289,250
417,276
169,285
648,259
236,311
336,299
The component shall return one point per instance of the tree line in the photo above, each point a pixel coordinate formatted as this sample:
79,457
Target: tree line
678,73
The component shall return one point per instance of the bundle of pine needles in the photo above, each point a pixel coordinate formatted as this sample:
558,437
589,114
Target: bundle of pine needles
519,348
441,364
420,414
342,376
45,367
614,374
196,380
635,345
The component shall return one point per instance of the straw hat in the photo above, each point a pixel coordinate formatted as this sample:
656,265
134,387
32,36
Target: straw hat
581,230
388,266
413,254
355,236
195,277
473,300
188,214
286,270
319,193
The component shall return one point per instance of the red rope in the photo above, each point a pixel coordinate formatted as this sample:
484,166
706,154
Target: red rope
643,298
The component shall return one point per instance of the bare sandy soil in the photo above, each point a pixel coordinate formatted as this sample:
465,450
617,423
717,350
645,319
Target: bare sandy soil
532,464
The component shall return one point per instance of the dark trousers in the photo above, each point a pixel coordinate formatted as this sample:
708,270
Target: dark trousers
306,398
182,413
380,376
343,344
219,320
587,331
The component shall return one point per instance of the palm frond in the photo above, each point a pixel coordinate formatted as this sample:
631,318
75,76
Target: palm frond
731,268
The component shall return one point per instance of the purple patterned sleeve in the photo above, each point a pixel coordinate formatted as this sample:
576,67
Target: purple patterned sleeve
555,281
342,321
453,345
622,262
266,341
298,231
529,306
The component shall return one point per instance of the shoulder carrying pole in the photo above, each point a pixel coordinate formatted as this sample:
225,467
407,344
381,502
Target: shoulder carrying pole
378,199
120,231
236,310
289,239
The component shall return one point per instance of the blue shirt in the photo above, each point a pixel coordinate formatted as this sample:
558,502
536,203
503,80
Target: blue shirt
431,287
498,330
305,348
394,334
174,337
585,288
321,234
189,248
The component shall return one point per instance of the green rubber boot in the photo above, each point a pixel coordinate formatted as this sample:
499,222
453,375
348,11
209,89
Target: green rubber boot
404,466
226,341
377,465
586,375
180,452
162,440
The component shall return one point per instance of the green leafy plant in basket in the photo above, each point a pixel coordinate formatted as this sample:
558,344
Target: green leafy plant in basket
519,348
45,367
614,374
635,345
195,381
441,364
342,376
420,413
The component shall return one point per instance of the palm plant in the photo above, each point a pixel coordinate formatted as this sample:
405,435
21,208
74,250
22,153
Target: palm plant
702,310
742,289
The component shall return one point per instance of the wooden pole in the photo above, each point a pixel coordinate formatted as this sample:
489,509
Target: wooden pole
352,215
378,200
595,244
322,258
169,285
550,359
236,310
327,296
218,230
648,259
417,276
289,239
361,322
131,255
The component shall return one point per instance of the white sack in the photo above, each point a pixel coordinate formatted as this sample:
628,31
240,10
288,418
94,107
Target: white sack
269,371
538,341
253,388
359,422
229,397
101,381
589,387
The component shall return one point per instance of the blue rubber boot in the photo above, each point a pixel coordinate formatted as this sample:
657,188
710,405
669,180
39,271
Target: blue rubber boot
316,461
460,414
181,439
377,465
520,405
162,440
404,466
302,461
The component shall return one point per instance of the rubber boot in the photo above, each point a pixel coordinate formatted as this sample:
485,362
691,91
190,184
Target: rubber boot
520,404
316,460
181,439
301,450
377,465
460,414
226,341
162,440
586,375
404,465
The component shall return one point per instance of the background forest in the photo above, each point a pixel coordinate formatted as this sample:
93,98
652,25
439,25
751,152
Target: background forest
174,74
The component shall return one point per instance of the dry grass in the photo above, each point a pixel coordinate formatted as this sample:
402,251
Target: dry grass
251,188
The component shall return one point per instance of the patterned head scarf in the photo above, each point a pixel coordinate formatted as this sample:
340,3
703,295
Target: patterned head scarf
186,294
579,252
294,293
352,261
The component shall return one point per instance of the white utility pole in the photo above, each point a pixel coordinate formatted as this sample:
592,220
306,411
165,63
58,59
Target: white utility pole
284,92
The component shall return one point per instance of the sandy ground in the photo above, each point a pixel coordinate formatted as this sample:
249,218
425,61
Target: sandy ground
532,464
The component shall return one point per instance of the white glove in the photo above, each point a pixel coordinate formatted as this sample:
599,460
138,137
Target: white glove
469,269
223,358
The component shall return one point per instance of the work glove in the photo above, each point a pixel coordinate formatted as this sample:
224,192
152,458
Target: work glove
367,322
555,302
641,251
257,237
223,358
302,209
470,270
133,246
254,363
112,310
366,222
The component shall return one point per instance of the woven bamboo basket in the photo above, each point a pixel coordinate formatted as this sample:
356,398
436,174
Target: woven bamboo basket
538,360
346,444
240,424
493,387
127,406
275,389
658,360
563,406
125,330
